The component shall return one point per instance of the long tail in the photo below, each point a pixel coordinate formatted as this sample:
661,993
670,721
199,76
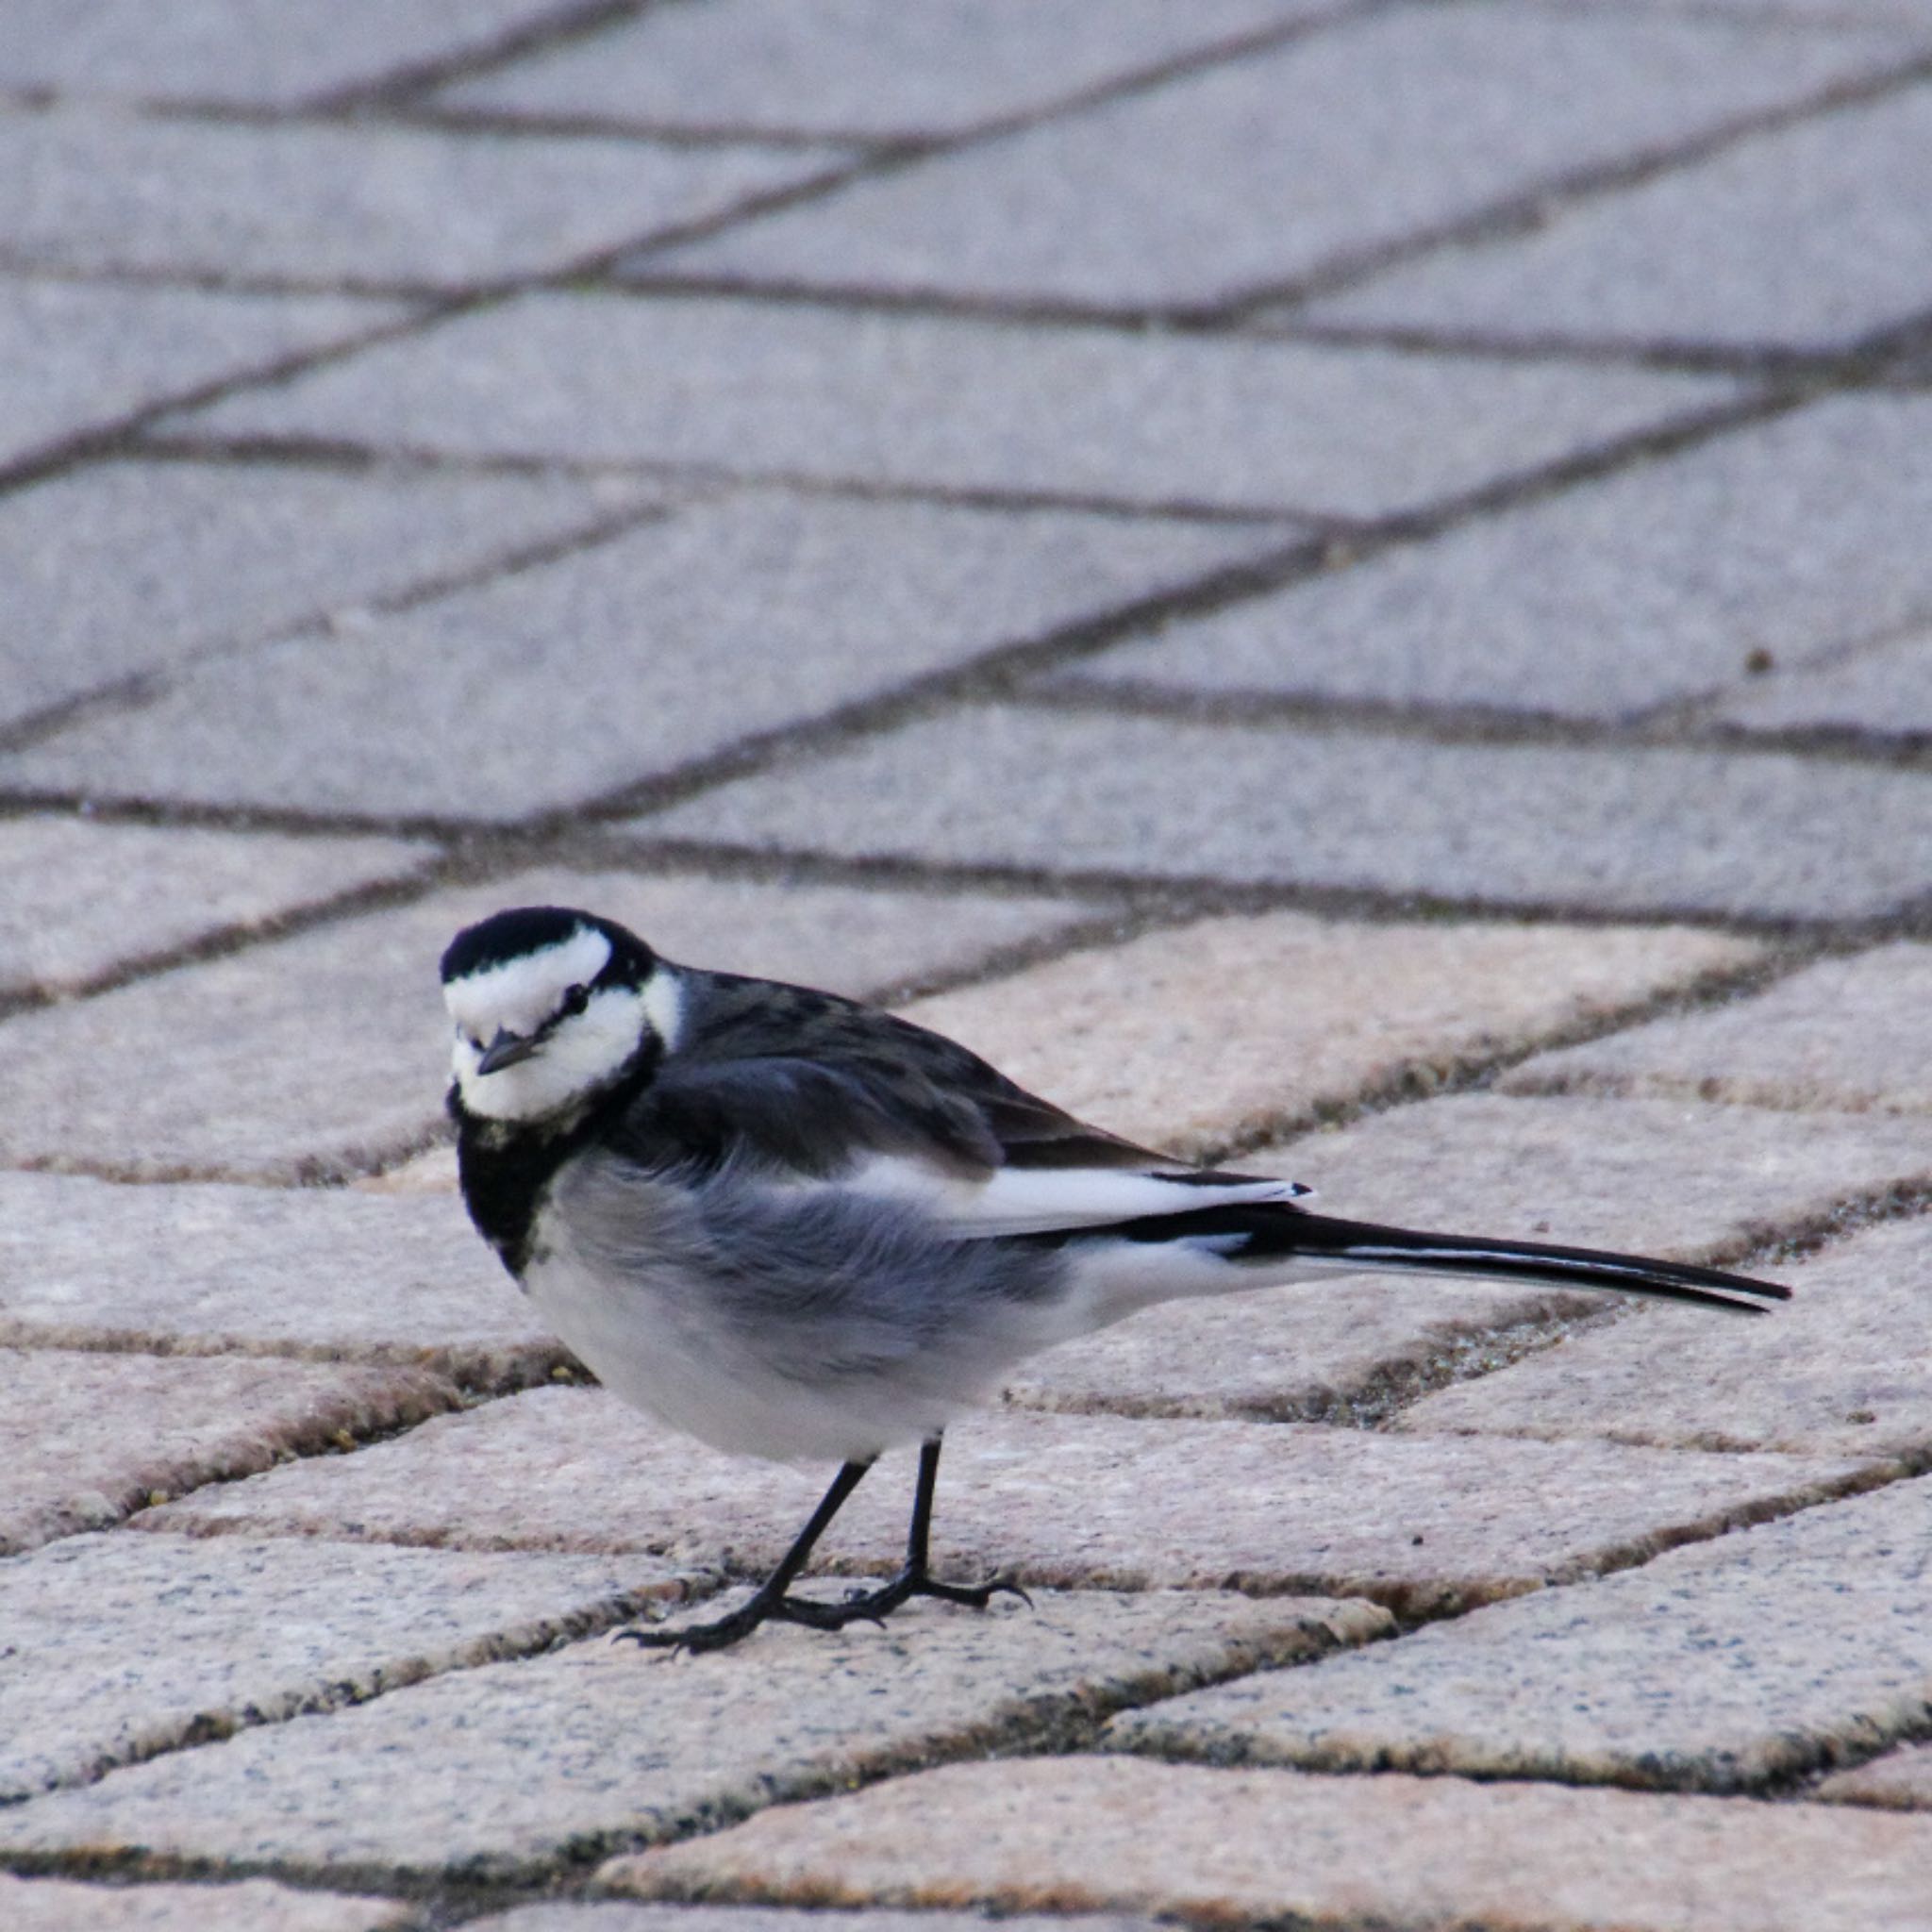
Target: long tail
1263,1234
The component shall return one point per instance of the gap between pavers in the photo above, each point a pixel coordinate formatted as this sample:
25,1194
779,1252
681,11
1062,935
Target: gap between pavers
620,1915
85,1438
1841,1369
504,1770
120,1647
1428,1526
250,1905
1735,1665
208,1268
367,1087
1220,1847
1848,1035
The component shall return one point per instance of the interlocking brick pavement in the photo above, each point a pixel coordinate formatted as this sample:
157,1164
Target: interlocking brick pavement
1340,584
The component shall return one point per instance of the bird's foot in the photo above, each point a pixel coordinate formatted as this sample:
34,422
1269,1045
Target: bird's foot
877,1605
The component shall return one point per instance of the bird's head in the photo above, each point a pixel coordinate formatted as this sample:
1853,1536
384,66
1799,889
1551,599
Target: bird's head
552,1006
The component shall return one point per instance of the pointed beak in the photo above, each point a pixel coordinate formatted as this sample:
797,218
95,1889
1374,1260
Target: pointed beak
506,1050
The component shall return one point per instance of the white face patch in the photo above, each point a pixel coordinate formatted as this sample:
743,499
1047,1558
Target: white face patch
519,995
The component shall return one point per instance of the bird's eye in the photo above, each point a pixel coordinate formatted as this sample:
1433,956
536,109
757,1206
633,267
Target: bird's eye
576,999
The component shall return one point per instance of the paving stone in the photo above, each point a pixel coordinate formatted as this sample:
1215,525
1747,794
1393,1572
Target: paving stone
1887,690
1849,1034
247,52
1801,239
201,1270
81,898
615,1915
1618,829
122,1647
369,203
76,357
1429,1854
178,557
369,1088
491,1770
759,388
1796,537
1422,1523
1901,1780
1727,1667
1198,1035
1344,141
813,602
253,1905
1840,1371
87,1437
858,68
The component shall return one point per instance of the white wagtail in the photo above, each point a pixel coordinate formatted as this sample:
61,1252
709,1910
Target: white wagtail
799,1228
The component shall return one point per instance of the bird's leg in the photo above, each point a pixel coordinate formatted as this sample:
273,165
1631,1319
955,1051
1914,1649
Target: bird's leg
770,1600
916,1578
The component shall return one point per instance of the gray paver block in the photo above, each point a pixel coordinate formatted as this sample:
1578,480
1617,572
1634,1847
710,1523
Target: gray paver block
1345,140
89,1438
1189,1038
1884,691
122,1647
251,1905
82,357
616,650
179,557
369,204
1424,1524
1218,1846
1842,1370
759,388
1803,239
198,1270
1663,829
495,1768
1798,537
369,1088
858,68
250,52
1727,1667
1900,1780
1848,1034
80,898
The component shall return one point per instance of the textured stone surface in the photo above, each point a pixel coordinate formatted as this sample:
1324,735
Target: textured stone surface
122,1647
245,51
371,204
1729,1666
490,1769
87,1438
1218,1846
1851,1034
1059,1501
253,1905
241,1084
1801,239
198,1269
759,388
1198,1035
1661,829
870,68
1885,690
180,558
619,1915
1797,538
1900,1780
79,899
1842,1370
99,354
814,603
1346,141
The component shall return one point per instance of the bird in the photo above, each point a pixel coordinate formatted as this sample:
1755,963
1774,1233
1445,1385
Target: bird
800,1227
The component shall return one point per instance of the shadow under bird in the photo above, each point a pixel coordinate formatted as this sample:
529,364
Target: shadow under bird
795,1227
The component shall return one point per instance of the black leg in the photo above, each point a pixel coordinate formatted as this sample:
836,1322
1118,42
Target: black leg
769,1599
